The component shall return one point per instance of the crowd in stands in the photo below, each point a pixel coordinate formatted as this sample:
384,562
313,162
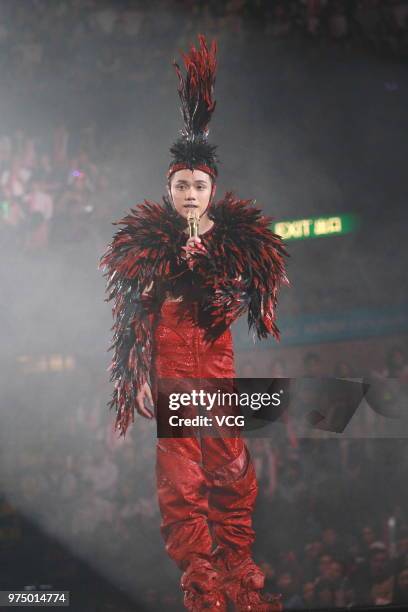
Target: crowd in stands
37,41
46,195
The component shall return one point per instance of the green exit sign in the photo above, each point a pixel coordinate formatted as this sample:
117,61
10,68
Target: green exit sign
316,227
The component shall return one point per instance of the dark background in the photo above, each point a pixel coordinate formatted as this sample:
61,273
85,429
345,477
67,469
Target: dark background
311,120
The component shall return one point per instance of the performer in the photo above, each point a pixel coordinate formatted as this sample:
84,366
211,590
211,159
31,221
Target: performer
174,301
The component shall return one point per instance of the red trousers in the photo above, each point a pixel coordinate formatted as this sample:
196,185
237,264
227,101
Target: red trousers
206,487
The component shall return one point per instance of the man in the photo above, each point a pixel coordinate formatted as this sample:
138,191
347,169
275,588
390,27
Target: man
174,301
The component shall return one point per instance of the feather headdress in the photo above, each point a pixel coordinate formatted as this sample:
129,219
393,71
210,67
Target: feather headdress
196,90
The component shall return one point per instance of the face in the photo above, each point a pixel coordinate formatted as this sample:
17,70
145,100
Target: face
329,536
368,535
268,570
284,582
308,591
403,580
190,190
324,565
378,563
402,545
313,549
335,571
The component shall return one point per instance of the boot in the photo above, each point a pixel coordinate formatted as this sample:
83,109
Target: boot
201,585
242,581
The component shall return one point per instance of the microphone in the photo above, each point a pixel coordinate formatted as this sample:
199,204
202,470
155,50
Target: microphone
193,223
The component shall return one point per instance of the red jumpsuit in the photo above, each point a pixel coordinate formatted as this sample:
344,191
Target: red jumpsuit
206,487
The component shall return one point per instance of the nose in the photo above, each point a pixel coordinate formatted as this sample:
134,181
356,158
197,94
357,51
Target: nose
190,195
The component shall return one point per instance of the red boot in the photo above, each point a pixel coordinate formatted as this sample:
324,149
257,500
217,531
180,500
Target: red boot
201,585
242,582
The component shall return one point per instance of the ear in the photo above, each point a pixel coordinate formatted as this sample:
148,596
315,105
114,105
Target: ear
214,189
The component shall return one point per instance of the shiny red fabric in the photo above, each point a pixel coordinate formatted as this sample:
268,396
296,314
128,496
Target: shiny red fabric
206,486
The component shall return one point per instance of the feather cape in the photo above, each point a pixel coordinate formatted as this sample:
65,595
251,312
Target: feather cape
241,271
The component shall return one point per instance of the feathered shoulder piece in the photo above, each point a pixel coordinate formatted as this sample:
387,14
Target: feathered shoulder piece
246,259
141,251
241,270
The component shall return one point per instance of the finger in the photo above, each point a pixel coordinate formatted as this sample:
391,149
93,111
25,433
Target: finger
193,240
196,248
200,246
198,251
190,253
141,408
149,395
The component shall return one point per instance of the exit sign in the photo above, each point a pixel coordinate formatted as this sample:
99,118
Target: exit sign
316,227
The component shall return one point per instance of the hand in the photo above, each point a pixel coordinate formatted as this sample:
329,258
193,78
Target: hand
193,247
144,393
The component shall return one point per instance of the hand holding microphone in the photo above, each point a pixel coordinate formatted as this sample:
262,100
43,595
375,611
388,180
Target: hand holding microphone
193,245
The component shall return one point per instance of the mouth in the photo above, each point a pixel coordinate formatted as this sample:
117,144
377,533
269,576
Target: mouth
190,206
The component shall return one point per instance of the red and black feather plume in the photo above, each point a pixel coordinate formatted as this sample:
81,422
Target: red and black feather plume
196,91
